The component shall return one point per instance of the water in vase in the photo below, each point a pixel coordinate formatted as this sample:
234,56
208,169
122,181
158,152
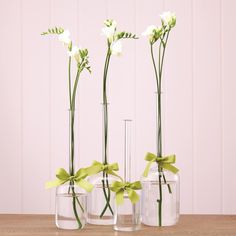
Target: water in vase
150,206
65,212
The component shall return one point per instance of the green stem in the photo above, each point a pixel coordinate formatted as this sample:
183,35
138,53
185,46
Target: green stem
161,55
74,205
105,115
76,214
160,201
169,188
107,195
80,205
164,49
72,121
69,75
105,120
75,88
154,65
72,142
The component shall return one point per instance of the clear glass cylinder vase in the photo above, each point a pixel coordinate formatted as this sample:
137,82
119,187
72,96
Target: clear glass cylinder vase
128,215
151,214
71,207
101,199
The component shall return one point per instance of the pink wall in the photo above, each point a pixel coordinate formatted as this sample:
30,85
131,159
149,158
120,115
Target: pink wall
199,94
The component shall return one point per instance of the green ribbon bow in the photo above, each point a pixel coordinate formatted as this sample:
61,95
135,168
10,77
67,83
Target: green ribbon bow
163,162
121,187
97,167
78,178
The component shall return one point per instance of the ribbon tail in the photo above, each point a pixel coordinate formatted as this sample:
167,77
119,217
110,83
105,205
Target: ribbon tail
170,167
145,173
54,183
120,197
85,185
133,196
110,172
92,170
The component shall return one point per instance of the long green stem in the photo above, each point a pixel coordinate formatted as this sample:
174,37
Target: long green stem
75,212
75,89
72,122
106,194
72,140
105,185
154,65
158,76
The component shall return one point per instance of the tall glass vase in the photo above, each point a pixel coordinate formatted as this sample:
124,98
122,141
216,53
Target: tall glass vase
127,215
101,199
71,200
160,193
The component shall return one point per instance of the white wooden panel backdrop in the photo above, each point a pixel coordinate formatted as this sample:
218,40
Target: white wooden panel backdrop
199,96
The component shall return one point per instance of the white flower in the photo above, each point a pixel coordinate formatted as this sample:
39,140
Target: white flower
110,29
116,48
65,37
153,32
108,32
168,19
150,31
75,53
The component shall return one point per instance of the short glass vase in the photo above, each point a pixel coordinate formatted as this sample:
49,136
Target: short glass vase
71,207
99,213
150,198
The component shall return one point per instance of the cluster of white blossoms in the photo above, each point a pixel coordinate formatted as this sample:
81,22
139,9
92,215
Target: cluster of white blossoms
73,51
110,32
168,20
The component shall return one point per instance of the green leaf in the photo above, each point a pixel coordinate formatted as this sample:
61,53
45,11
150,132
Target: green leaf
55,30
125,35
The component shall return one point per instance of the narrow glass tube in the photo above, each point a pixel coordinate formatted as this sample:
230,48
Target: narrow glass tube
127,215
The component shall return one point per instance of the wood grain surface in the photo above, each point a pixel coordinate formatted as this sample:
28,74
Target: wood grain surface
35,225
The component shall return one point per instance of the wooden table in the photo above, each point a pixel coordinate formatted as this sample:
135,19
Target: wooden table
40,225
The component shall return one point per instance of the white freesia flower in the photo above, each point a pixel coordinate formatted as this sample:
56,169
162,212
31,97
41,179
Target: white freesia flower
108,32
109,29
150,31
65,37
153,33
168,19
116,48
75,53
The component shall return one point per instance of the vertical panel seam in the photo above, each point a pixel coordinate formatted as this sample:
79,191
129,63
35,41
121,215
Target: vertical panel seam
193,140
50,103
21,106
135,74
79,99
221,106
164,91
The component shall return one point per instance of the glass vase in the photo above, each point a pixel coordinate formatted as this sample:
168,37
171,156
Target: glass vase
101,199
151,195
71,207
127,215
